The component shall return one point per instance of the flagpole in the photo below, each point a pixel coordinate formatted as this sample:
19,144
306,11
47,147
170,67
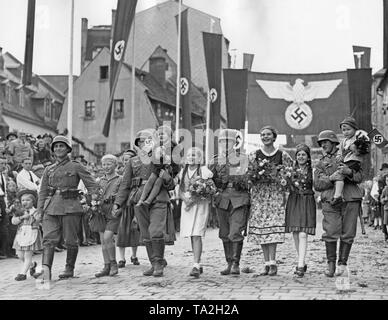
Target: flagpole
208,104
133,85
70,83
207,141
178,73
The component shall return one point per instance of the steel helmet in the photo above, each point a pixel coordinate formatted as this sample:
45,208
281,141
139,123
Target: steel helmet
328,135
62,139
143,134
228,134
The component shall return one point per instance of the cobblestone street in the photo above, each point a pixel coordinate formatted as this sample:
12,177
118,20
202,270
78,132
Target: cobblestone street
367,263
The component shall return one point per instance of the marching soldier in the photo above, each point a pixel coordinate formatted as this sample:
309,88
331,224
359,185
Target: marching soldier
232,204
151,219
59,205
339,222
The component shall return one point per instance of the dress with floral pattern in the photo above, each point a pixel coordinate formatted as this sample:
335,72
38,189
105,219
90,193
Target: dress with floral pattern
267,212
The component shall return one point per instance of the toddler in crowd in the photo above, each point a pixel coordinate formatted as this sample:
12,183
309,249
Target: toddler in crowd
28,238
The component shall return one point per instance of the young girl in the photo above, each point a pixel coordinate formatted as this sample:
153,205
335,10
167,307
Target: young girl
301,207
28,238
194,216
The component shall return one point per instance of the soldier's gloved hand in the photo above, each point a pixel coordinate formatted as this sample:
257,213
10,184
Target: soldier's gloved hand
336,176
345,170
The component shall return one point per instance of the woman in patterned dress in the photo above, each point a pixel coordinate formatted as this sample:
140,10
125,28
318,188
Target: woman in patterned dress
267,213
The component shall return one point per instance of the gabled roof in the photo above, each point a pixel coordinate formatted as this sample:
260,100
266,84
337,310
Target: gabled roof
59,81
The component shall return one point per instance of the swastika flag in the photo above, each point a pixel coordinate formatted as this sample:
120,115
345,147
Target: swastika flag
377,138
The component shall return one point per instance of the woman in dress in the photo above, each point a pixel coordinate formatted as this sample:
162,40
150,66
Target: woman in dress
194,216
301,207
128,233
267,213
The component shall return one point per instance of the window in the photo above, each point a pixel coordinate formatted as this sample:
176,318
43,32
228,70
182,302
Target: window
21,97
47,108
8,94
100,149
125,146
90,109
104,72
118,108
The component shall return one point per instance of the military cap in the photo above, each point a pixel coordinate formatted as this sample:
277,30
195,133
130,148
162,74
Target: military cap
146,133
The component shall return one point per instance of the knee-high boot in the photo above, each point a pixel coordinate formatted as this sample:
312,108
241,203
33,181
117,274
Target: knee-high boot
71,257
331,254
237,248
150,271
158,251
228,250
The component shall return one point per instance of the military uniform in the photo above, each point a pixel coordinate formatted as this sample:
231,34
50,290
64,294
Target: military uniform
152,219
60,207
339,222
232,206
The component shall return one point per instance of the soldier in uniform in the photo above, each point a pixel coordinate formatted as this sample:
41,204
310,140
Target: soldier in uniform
151,219
59,205
232,204
339,222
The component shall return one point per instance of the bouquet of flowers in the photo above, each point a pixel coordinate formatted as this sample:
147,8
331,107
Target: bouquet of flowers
285,174
261,170
200,189
299,179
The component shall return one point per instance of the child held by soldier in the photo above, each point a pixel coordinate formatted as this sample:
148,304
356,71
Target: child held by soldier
352,151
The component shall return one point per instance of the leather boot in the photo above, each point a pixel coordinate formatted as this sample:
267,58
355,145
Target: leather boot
150,271
158,250
104,272
344,257
47,261
340,264
228,250
71,257
114,268
237,248
331,254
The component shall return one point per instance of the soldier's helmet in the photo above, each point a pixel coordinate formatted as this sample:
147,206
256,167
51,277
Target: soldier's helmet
327,135
62,139
146,134
228,134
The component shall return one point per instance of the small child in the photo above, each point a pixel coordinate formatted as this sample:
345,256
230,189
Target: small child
352,149
28,238
366,201
160,161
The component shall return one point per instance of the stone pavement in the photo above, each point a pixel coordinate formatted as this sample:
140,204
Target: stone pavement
367,263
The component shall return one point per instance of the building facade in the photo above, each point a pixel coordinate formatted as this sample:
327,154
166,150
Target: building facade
33,109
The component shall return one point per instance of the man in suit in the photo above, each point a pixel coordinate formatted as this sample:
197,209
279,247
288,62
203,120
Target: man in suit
232,203
59,205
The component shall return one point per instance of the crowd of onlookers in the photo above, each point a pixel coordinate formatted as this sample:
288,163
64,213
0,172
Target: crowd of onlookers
23,159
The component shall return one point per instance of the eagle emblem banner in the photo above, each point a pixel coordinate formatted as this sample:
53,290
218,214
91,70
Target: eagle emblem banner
297,104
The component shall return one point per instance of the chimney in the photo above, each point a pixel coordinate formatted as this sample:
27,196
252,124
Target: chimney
112,29
1,59
84,39
158,67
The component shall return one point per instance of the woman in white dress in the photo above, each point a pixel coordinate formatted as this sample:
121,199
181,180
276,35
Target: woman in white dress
194,216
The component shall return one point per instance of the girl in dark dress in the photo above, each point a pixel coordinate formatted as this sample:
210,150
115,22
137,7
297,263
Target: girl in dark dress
301,208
